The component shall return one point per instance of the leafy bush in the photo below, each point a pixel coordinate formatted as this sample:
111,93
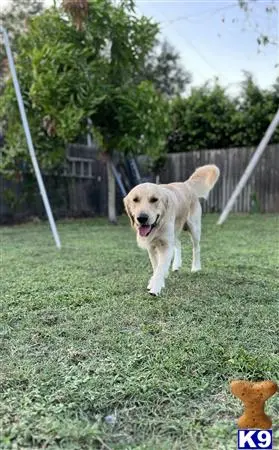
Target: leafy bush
209,118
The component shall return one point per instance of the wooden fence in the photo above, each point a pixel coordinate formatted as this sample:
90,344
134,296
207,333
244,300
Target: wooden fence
261,192
82,189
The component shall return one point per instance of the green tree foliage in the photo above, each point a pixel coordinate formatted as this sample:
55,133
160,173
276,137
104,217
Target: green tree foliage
202,120
13,19
255,110
68,74
14,16
163,67
209,118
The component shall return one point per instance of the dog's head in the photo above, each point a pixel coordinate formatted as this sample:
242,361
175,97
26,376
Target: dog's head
146,205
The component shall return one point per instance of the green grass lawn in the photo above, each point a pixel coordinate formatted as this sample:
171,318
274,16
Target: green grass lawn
81,339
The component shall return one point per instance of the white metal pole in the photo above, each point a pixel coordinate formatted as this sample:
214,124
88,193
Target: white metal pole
29,138
249,169
89,135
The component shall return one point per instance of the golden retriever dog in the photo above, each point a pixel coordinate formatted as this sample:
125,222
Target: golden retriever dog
159,212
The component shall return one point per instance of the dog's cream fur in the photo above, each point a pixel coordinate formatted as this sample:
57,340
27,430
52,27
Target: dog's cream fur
169,208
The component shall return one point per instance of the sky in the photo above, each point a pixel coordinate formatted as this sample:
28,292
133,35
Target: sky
216,38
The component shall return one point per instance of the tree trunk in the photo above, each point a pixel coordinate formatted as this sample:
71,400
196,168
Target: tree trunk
111,194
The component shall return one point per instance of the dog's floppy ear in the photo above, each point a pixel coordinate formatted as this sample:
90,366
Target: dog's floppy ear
128,210
165,200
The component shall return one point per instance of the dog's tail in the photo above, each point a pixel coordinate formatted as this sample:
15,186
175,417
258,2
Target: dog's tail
204,179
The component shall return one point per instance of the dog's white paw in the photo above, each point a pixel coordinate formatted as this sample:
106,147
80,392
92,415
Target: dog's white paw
155,291
196,268
155,286
176,267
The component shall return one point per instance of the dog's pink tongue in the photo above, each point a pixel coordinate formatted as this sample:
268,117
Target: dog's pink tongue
144,230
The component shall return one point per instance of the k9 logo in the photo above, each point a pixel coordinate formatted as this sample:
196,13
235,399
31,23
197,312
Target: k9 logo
255,439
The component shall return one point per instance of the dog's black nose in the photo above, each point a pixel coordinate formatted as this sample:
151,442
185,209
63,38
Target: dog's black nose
142,219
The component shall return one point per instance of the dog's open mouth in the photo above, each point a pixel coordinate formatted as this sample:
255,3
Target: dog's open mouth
145,230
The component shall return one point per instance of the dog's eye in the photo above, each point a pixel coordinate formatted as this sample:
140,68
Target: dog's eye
153,200
136,199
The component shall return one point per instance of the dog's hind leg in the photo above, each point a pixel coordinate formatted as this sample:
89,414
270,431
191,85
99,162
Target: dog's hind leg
194,225
177,256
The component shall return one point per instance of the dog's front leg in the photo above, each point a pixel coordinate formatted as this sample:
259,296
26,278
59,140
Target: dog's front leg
153,256
164,255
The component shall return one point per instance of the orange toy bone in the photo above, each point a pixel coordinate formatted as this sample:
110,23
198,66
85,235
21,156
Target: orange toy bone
254,396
